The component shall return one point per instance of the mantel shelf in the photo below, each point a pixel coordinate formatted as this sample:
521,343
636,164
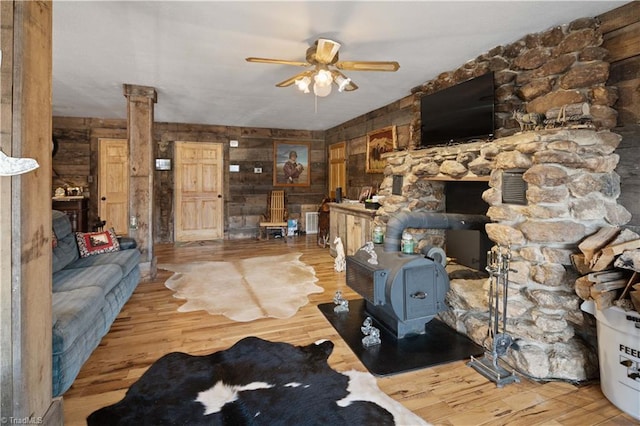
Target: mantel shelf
472,178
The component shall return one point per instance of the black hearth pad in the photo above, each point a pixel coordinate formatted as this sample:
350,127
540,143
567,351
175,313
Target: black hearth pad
440,343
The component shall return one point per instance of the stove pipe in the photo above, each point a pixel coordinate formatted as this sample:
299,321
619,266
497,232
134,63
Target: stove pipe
428,220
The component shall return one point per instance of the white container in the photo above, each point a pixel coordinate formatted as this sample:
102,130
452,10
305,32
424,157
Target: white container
619,354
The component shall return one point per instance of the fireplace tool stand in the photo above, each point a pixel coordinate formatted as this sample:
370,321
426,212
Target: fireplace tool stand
498,260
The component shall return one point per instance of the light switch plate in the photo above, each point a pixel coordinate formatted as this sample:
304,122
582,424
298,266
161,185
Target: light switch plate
257,170
234,168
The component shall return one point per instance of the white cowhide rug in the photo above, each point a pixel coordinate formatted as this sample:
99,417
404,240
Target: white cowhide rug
245,289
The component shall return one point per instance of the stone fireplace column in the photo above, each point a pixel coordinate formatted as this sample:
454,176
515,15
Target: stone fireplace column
571,192
140,100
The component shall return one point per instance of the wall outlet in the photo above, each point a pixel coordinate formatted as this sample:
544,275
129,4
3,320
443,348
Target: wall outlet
234,168
233,143
257,170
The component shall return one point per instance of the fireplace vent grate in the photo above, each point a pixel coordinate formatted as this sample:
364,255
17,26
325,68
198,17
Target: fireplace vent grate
514,187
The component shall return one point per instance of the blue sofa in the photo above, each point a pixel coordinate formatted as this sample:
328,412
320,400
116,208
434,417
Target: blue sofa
88,294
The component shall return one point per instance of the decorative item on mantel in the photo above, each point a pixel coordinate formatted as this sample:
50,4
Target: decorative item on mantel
567,116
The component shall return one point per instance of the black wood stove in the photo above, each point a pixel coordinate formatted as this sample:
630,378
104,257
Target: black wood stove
403,292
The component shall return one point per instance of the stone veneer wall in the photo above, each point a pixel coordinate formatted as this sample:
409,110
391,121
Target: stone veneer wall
560,66
572,192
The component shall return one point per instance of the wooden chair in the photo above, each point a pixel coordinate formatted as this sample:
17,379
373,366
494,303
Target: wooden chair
276,216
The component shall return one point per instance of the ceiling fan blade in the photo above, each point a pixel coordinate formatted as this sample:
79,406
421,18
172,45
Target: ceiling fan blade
291,80
326,50
368,65
278,61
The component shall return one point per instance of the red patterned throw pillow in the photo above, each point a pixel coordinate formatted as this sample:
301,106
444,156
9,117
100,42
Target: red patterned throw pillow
90,243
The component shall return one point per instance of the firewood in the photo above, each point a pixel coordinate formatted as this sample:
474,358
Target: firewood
624,236
583,288
607,255
580,263
603,299
590,245
635,299
605,276
610,285
632,281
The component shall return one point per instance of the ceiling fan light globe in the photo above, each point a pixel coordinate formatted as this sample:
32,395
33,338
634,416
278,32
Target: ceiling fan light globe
303,84
320,90
342,83
323,78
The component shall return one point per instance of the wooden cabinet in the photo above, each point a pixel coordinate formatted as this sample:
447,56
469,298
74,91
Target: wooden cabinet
352,222
76,209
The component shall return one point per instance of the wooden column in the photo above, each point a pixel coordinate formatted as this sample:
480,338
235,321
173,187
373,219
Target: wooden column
25,216
140,100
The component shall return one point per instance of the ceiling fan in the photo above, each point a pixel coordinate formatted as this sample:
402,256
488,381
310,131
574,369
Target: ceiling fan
323,56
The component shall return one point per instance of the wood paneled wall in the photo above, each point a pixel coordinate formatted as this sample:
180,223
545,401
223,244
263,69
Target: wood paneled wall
621,34
354,133
76,164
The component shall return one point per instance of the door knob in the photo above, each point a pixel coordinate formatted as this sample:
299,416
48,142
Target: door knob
219,196
104,198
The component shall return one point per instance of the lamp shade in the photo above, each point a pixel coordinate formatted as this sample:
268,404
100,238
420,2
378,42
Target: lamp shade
342,82
303,84
321,90
323,78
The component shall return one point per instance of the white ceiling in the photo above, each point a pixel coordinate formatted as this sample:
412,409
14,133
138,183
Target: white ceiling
193,53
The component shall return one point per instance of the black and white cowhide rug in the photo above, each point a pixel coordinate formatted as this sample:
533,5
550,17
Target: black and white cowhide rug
255,382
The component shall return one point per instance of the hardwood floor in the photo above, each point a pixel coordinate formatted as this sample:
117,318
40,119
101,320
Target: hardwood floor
149,326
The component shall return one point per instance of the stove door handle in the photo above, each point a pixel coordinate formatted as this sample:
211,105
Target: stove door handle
419,295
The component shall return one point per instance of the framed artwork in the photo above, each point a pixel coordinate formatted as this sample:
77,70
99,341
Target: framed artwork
379,142
291,164
365,193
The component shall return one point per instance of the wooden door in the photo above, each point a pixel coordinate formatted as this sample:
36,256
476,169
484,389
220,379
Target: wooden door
337,168
113,184
198,191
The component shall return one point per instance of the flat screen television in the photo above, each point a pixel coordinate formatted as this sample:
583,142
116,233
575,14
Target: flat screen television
458,113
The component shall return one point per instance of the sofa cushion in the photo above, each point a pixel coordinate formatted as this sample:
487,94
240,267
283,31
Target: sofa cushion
66,250
75,312
61,224
92,243
104,277
125,259
65,253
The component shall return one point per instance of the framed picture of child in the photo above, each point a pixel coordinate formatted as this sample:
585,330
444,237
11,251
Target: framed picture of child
291,164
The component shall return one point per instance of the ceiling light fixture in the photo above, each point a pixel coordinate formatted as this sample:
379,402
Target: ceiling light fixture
303,84
324,56
342,82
